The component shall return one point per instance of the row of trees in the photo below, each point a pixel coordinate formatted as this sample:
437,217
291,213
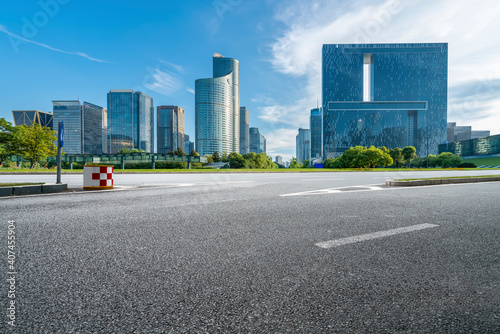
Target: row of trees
32,143
238,161
362,157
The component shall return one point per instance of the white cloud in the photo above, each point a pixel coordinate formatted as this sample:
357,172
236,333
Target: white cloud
468,26
18,39
191,90
163,82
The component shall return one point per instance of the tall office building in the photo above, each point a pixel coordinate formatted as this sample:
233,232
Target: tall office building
257,141
303,145
130,121
170,128
390,95
279,160
83,126
217,108
28,117
105,131
316,126
244,131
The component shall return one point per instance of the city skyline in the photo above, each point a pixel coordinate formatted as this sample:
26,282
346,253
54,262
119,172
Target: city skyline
47,55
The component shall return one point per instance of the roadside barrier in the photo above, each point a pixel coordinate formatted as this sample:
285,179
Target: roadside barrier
97,177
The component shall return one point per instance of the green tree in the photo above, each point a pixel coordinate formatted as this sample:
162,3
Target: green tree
236,160
448,160
370,157
294,163
180,151
35,143
216,157
7,140
305,164
125,150
397,156
194,153
210,159
386,159
225,157
352,157
409,152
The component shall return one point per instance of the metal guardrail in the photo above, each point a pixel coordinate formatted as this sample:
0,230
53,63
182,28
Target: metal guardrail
125,158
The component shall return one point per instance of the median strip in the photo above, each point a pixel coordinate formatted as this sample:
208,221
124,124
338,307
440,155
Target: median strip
442,180
371,236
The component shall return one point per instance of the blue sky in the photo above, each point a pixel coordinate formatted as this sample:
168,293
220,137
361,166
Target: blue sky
65,49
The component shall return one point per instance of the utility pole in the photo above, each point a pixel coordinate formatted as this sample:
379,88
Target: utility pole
60,143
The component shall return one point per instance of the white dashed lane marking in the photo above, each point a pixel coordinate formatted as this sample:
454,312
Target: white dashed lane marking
371,236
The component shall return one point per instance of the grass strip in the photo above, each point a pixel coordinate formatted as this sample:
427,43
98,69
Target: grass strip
20,184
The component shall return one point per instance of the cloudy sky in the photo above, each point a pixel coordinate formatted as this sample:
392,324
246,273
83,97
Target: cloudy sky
67,49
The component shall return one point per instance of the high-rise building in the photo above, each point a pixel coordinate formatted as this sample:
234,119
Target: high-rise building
130,121
479,134
316,126
244,131
391,95
257,141
28,117
279,160
303,145
170,128
217,108
83,126
105,131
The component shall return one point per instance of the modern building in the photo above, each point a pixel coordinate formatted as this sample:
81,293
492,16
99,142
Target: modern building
316,127
83,126
257,141
217,108
244,131
105,131
28,117
479,134
303,145
473,147
279,160
170,129
188,145
461,133
130,121
391,95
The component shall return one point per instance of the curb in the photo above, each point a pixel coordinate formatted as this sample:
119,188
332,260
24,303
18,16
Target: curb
440,181
47,188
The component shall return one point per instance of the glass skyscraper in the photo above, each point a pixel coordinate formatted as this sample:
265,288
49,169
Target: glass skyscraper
217,108
391,95
244,131
316,127
170,129
303,145
83,126
130,121
257,141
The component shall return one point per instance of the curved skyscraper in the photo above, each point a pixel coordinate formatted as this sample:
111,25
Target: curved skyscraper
217,104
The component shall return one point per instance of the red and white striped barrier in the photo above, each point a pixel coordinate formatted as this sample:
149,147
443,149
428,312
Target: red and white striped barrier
98,177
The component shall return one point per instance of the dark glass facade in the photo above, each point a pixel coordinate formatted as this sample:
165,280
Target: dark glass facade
473,147
130,121
390,95
170,129
83,126
257,141
244,131
316,127
28,117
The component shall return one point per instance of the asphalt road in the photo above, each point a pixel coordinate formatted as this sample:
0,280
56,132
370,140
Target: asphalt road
246,253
